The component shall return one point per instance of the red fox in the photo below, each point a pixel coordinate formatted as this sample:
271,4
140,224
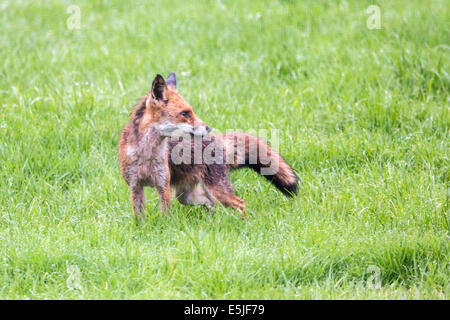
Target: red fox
147,144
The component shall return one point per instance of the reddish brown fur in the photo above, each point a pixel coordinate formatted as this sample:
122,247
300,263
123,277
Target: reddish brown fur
144,157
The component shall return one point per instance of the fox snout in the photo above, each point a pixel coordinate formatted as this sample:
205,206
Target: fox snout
198,129
201,129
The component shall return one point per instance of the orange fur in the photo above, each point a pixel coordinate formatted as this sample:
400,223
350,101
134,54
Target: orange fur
145,145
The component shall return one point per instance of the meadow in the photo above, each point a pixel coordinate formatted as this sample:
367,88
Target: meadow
363,116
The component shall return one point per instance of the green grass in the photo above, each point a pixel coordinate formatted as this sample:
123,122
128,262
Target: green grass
363,117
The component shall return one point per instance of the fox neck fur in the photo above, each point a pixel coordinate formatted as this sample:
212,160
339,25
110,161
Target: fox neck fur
149,159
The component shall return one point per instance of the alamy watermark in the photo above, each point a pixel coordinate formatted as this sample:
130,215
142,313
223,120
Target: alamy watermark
73,281
74,20
231,148
374,19
374,280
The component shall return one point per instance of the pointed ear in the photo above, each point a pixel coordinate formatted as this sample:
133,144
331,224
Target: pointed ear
159,88
172,81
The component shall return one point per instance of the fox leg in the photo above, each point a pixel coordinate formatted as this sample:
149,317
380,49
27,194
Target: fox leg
194,195
165,200
224,193
138,199
161,181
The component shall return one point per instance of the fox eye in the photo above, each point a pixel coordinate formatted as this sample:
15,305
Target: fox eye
185,114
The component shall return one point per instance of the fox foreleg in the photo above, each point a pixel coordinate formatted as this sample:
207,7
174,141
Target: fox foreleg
138,200
165,200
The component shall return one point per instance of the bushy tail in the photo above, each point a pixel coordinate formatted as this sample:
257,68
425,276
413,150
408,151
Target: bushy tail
245,150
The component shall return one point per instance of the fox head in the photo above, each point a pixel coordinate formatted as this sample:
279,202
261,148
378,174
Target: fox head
165,108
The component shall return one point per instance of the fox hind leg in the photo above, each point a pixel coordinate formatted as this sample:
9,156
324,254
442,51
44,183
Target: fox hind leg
224,193
194,195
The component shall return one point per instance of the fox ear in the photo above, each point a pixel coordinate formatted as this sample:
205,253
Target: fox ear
159,88
172,81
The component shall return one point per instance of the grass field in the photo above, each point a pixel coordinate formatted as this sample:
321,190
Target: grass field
363,116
